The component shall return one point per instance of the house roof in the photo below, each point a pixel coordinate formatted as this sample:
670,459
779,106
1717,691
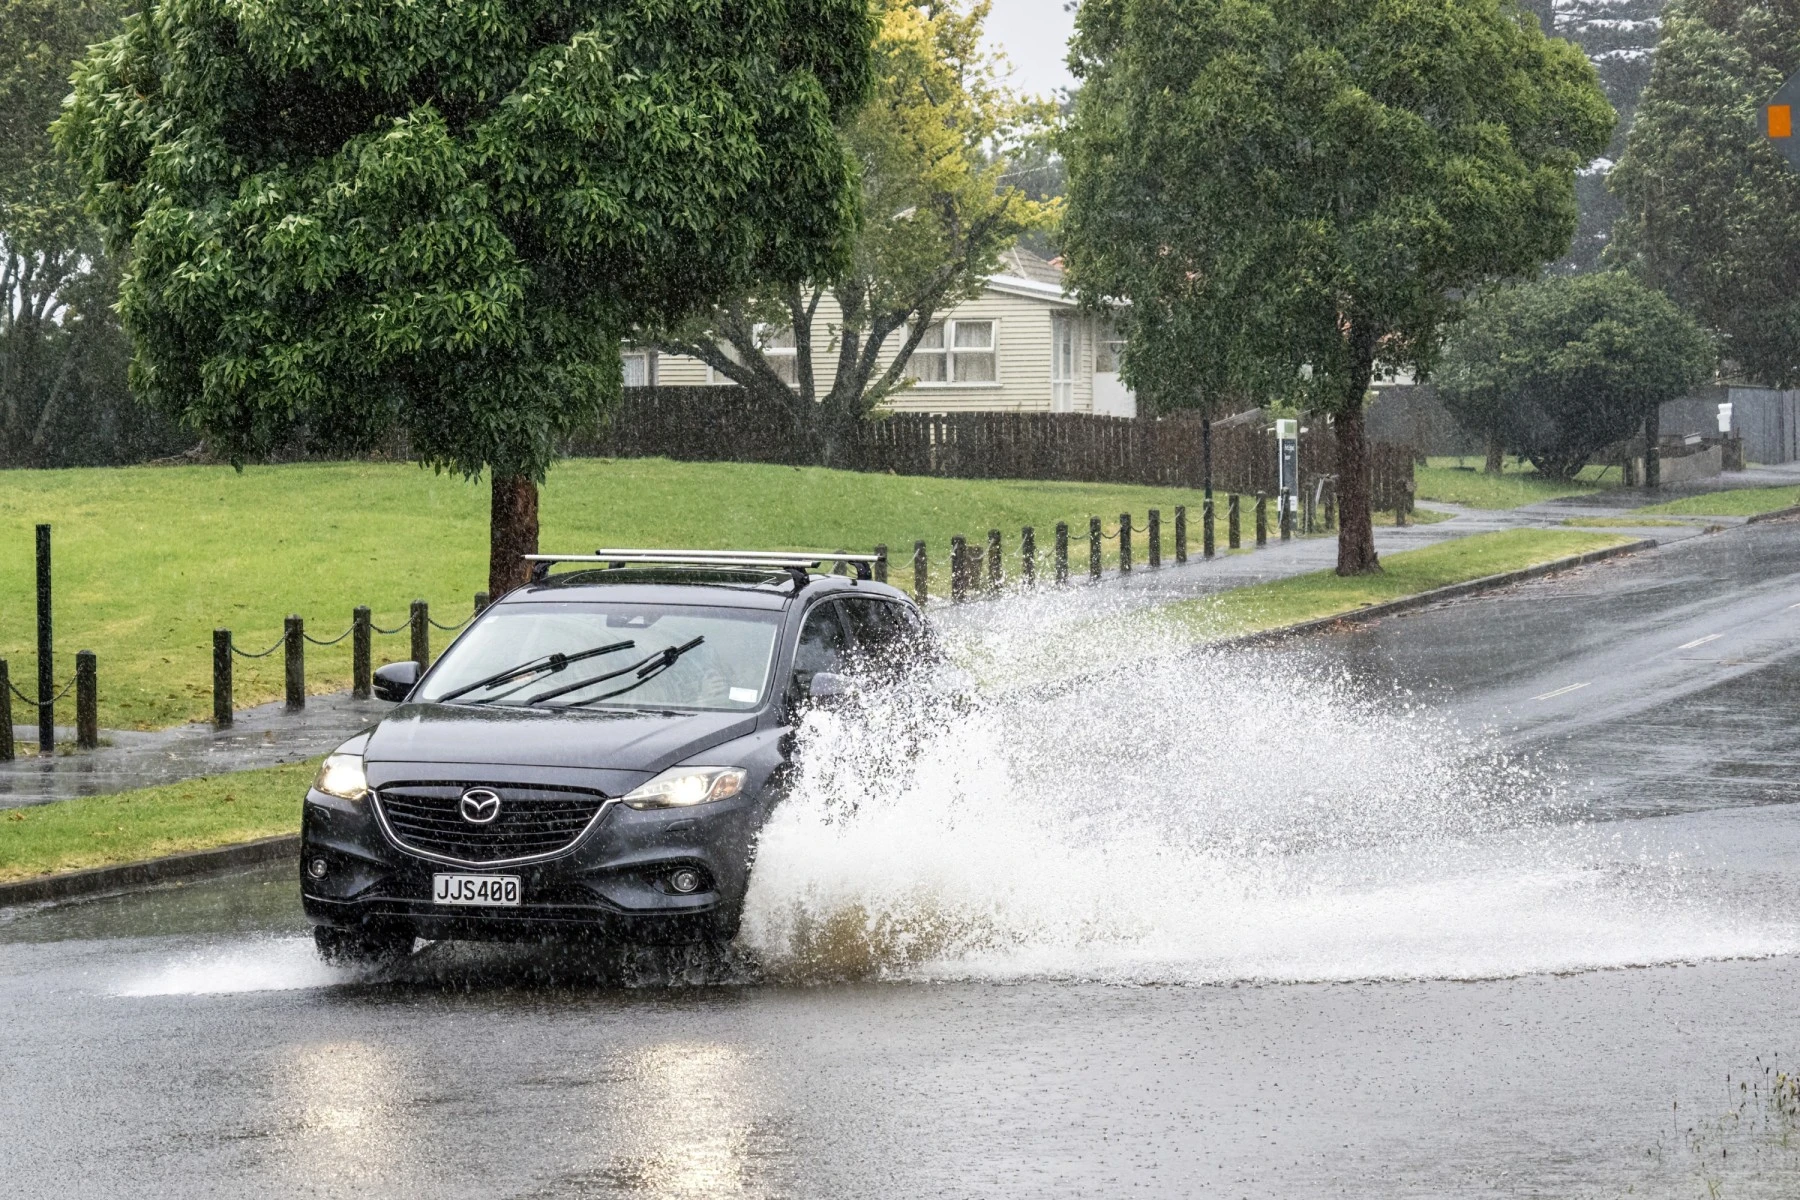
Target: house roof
1023,273
1020,263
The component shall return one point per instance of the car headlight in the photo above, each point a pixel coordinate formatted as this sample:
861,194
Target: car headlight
681,787
341,775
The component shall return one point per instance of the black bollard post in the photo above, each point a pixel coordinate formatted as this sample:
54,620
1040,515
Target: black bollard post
921,574
293,641
1028,556
1234,538
1181,533
221,679
1124,543
1061,552
1155,536
959,571
46,648
421,634
87,701
1262,520
362,666
6,734
881,563
1286,515
1095,535
996,568
1208,540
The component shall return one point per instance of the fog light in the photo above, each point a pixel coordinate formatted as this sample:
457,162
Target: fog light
685,881
318,868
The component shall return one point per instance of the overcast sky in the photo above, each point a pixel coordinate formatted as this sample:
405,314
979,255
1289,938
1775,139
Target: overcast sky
1035,35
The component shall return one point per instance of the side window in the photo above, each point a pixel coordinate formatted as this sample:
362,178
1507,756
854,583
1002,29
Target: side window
872,621
823,646
911,624
888,635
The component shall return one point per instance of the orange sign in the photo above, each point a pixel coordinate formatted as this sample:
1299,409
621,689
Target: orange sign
1778,121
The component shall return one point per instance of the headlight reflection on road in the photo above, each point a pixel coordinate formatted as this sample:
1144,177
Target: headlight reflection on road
340,1102
695,1133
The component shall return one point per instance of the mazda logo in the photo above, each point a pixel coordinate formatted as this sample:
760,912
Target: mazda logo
480,806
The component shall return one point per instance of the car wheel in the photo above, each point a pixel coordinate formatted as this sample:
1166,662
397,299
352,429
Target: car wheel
361,947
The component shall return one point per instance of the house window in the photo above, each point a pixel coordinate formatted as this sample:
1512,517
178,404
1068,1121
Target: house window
1108,354
778,349
956,352
638,369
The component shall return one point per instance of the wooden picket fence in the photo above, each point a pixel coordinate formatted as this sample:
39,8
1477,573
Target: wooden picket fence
730,425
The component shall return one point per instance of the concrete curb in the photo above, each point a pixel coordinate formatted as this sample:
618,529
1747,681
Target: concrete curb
1777,515
98,880
1486,583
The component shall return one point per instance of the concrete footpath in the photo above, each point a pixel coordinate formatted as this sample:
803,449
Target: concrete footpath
270,735
266,736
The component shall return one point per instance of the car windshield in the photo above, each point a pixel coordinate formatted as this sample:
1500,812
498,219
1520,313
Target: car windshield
728,670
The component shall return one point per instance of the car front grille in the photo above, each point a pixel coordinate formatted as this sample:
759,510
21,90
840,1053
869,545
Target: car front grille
534,822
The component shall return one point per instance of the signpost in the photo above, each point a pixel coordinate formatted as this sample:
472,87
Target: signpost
46,663
1287,436
1778,121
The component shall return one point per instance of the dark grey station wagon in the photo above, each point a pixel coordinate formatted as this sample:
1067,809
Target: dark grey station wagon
594,755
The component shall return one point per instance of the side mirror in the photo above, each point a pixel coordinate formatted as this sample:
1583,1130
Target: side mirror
396,680
828,687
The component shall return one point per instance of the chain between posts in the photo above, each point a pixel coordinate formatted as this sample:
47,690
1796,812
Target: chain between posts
67,688
272,649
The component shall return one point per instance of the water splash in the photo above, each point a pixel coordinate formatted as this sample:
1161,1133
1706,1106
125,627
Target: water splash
1195,817
264,965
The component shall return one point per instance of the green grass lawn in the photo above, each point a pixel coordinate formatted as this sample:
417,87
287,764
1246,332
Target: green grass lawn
1461,481
1744,502
131,826
149,560
1324,594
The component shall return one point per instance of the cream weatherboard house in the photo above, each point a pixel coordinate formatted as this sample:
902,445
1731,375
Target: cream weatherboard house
1021,346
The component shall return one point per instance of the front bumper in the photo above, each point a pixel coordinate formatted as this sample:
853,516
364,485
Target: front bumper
610,885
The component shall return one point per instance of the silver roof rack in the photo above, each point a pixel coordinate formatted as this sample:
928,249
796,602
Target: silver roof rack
796,563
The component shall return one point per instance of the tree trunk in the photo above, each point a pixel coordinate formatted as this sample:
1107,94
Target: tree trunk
512,533
1496,455
1652,458
1356,530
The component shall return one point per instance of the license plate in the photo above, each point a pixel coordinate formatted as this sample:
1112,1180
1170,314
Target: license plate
479,891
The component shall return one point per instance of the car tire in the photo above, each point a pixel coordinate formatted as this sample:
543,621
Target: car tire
361,947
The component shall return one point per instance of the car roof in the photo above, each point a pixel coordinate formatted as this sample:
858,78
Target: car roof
732,590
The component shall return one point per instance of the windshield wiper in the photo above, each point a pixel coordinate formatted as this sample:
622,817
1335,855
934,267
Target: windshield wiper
647,669
549,662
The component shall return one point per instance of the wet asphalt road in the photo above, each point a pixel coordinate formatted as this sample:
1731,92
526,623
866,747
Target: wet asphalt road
185,1043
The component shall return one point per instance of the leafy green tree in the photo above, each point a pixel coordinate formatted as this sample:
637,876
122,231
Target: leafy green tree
63,397
1559,369
1294,194
349,218
1712,212
934,146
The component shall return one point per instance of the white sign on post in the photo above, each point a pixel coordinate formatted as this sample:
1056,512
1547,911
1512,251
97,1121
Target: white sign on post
1287,438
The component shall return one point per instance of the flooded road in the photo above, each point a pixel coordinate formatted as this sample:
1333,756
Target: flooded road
1492,900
